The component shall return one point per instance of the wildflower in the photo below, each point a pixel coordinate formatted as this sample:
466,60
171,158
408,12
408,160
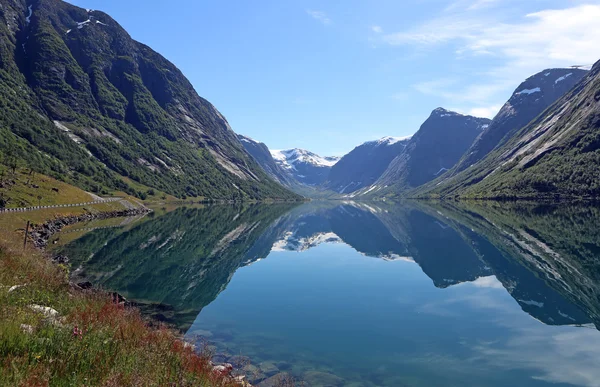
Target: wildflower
77,332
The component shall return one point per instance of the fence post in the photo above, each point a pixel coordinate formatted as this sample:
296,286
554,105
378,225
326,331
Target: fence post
26,233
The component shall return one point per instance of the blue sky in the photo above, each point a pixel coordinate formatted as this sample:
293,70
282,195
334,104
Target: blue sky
328,75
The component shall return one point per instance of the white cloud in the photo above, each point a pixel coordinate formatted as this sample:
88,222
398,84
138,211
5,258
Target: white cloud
377,29
517,49
557,354
563,37
488,282
484,111
455,91
320,16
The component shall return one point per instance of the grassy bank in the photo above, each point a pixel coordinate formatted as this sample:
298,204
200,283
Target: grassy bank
54,333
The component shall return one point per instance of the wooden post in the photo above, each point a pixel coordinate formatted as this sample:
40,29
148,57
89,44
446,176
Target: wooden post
26,234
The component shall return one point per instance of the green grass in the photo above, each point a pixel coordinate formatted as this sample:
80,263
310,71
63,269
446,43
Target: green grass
94,341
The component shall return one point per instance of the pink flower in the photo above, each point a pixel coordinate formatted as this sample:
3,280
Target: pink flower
77,332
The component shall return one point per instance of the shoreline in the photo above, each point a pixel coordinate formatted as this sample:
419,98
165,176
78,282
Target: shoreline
90,296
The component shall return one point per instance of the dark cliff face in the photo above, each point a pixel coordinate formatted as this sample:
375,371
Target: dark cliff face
260,152
364,164
435,148
83,84
529,100
556,155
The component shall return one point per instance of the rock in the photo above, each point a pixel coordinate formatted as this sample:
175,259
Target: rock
60,259
254,374
242,381
202,333
223,369
85,285
50,315
219,358
322,379
251,368
45,310
268,368
239,361
189,345
283,365
15,287
276,380
117,298
27,328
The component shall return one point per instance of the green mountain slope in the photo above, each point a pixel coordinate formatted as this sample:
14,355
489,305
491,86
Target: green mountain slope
557,155
84,102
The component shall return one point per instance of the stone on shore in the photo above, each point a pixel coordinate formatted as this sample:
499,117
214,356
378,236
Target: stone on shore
322,379
268,368
275,380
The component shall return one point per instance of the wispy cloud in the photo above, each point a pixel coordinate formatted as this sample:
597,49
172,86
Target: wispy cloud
484,111
519,48
319,16
377,29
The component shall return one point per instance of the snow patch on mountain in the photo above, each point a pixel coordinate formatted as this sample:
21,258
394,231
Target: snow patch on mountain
80,25
389,140
289,158
28,17
248,139
563,78
529,91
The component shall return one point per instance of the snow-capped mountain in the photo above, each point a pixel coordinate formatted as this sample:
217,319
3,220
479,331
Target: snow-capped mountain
528,101
306,167
364,164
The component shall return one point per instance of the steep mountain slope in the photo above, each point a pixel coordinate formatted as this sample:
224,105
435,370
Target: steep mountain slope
364,164
556,155
435,148
84,102
261,153
306,167
529,100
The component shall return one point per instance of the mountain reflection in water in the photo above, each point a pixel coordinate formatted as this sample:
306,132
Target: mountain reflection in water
546,258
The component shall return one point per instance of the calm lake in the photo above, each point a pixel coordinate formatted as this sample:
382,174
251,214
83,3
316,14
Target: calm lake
367,294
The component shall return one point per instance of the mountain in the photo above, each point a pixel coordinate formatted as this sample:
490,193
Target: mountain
261,153
179,262
364,164
306,167
438,144
84,102
534,248
557,155
529,100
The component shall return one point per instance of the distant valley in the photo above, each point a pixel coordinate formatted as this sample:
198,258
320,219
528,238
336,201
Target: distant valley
551,119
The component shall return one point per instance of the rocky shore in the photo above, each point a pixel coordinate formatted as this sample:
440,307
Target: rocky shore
258,371
41,234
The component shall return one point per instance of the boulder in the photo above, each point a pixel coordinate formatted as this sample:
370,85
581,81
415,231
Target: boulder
276,380
223,369
268,368
239,361
322,379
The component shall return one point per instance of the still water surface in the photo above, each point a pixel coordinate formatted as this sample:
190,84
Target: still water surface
361,294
